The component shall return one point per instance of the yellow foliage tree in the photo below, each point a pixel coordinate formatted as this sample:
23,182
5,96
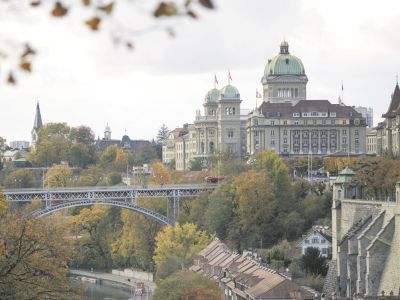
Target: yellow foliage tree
33,259
257,202
58,176
159,174
3,204
176,246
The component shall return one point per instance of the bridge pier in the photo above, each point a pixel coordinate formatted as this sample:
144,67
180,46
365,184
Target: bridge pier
173,206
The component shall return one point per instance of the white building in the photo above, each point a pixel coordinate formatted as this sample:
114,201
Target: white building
317,239
19,144
367,113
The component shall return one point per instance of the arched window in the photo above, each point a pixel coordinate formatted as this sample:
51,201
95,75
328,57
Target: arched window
202,147
211,147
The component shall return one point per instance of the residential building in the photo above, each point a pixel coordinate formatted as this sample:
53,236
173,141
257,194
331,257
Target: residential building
316,238
241,277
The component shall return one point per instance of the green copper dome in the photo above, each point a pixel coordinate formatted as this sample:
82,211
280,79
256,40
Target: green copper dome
212,95
229,91
284,63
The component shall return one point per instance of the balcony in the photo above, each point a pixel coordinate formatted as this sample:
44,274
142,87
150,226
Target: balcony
206,118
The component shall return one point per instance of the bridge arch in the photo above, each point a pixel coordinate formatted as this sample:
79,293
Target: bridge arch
131,206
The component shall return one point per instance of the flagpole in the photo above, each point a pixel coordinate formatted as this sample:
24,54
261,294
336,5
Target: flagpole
342,93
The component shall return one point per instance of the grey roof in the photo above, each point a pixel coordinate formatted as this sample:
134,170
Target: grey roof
286,110
37,124
126,143
394,107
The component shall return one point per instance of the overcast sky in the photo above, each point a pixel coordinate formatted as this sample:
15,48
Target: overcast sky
82,78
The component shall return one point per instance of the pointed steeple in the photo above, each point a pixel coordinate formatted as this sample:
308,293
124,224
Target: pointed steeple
38,118
394,107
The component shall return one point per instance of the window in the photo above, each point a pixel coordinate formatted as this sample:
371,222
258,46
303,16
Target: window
344,122
305,122
333,114
272,123
323,241
296,115
306,241
296,122
284,132
333,122
296,92
285,122
315,241
324,251
315,122
344,140
356,132
285,140
356,121
230,111
272,132
323,122
272,143
211,147
230,133
314,114
344,131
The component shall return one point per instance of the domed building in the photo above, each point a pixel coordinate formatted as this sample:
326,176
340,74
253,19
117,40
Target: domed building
219,129
284,78
286,122
291,125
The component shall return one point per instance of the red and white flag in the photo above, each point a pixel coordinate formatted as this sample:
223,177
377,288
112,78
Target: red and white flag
258,95
215,80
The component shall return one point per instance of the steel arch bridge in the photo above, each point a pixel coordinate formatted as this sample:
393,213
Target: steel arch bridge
125,197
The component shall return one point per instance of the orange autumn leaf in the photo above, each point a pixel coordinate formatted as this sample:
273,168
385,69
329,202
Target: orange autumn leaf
26,66
93,23
59,10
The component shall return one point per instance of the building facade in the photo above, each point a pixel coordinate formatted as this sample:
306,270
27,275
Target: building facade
125,143
365,242
387,133
286,122
317,239
289,124
221,128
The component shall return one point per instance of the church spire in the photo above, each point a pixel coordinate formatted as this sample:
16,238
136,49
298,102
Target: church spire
38,118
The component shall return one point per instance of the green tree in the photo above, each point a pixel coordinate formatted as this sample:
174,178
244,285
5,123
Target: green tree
313,263
53,145
114,178
21,178
257,205
93,248
176,246
90,176
162,134
2,149
185,283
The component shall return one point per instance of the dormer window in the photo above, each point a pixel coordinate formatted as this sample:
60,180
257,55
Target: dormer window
333,114
296,115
